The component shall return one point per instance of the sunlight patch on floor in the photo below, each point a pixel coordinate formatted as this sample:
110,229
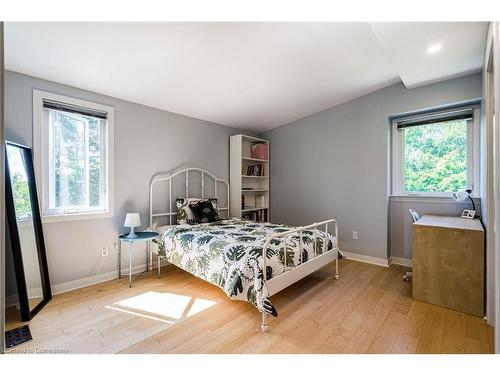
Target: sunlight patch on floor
199,305
165,307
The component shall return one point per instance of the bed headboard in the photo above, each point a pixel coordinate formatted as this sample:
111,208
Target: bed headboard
197,183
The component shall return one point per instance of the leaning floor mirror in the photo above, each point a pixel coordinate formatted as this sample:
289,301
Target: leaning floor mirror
24,231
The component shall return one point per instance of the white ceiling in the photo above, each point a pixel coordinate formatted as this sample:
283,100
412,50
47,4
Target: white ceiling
406,43
254,76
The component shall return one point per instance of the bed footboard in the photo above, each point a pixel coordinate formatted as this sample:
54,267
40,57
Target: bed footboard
294,274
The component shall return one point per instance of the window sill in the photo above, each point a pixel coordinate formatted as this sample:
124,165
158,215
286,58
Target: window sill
76,216
26,222
426,199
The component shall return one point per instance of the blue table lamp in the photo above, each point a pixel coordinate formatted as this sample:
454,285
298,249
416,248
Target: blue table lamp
132,220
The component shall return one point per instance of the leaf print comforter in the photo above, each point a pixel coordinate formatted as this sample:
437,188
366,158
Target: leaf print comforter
228,254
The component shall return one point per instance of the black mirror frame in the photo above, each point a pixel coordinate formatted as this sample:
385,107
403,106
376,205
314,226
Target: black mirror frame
26,313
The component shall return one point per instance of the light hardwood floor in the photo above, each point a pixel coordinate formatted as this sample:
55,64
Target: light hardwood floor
368,310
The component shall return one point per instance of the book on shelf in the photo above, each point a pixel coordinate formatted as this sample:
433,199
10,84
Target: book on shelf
252,170
257,215
249,216
260,201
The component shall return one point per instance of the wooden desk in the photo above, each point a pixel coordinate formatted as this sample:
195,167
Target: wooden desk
448,263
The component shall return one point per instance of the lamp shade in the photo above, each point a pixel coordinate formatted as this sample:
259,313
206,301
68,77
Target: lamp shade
460,196
132,220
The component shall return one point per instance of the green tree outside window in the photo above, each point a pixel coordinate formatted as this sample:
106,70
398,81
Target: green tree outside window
20,190
76,159
435,157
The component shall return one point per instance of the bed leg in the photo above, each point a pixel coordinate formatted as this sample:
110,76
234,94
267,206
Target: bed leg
158,265
337,268
264,327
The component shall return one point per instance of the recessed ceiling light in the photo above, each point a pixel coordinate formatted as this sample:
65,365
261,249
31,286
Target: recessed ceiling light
434,48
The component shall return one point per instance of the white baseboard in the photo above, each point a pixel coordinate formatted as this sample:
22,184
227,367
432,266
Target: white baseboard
11,301
366,259
32,293
35,292
80,283
401,261
91,280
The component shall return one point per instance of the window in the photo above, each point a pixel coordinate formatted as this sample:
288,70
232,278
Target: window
436,154
73,155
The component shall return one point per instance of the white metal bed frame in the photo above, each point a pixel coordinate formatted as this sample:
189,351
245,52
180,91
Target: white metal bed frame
277,283
159,178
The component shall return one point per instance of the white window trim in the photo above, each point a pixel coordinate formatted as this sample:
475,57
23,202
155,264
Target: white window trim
42,175
473,159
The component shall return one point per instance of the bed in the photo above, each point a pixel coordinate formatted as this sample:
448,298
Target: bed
249,261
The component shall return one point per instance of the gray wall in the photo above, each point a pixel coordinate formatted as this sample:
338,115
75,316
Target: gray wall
335,163
147,141
331,164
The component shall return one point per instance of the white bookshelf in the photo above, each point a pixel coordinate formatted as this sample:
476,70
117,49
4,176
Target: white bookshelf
241,184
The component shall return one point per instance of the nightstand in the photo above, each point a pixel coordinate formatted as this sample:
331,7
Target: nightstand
141,237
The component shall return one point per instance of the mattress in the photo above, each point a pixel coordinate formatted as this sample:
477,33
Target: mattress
228,254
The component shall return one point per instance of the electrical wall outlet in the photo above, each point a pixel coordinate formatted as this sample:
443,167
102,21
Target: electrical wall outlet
354,235
104,251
